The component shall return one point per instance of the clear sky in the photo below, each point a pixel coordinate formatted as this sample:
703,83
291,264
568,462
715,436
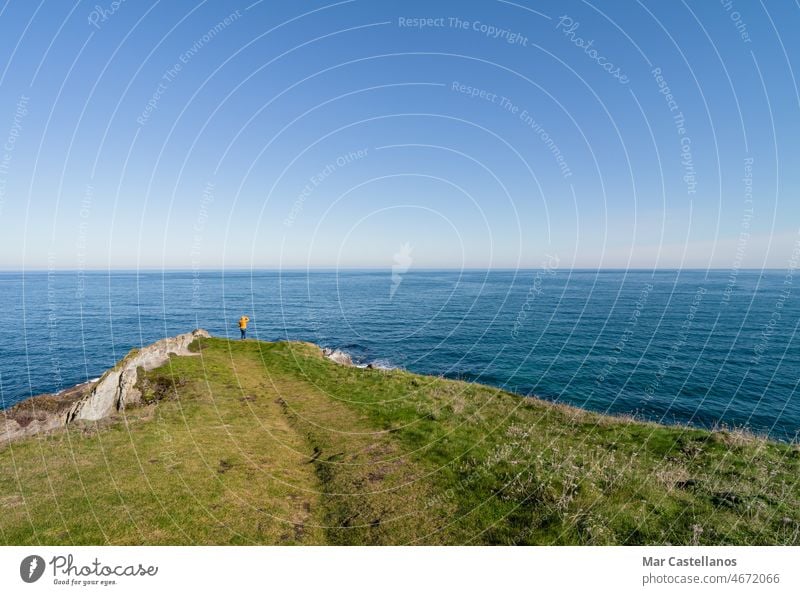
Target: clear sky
426,134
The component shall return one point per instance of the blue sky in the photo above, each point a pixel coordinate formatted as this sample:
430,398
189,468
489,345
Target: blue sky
480,134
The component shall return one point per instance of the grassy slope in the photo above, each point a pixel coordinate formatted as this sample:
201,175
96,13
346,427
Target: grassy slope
270,443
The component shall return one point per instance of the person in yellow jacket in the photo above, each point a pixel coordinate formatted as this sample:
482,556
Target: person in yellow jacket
243,325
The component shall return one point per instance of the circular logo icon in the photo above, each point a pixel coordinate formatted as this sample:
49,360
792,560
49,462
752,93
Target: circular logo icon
31,569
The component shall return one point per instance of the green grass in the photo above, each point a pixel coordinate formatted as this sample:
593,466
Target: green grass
269,443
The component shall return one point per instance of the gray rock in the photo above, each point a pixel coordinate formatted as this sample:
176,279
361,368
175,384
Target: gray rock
11,429
117,387
340,357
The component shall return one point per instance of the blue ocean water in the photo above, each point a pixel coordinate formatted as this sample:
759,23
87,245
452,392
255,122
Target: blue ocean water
692,347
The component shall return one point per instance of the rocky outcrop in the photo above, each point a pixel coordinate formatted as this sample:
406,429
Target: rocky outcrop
115,390
40,414
335,355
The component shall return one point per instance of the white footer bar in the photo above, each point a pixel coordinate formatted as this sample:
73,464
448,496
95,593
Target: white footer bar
389,570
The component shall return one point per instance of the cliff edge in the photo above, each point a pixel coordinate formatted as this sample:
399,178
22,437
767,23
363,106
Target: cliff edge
94,401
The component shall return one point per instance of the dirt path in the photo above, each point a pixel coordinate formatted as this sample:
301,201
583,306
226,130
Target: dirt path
369,492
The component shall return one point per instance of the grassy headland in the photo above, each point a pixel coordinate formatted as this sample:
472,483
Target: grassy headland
271,443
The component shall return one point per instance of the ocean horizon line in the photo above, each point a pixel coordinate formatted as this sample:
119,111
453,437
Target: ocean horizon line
384,269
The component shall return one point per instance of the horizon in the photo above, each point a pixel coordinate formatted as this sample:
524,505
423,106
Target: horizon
389,270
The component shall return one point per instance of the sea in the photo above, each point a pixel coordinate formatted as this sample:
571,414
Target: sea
701,348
